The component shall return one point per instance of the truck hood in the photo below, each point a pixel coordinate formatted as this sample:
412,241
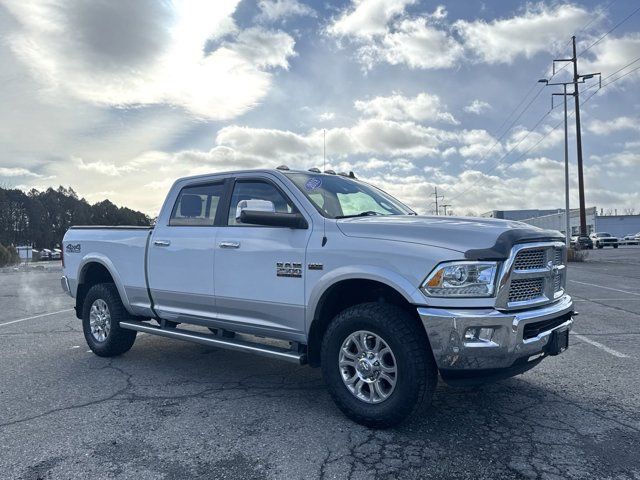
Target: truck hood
477,238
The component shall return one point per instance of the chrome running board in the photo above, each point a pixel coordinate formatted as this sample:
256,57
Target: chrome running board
220,342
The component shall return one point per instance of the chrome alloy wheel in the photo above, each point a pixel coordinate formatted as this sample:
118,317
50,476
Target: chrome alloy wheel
100,320
368,367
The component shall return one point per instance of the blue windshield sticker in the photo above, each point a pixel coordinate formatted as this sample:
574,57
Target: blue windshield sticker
313,183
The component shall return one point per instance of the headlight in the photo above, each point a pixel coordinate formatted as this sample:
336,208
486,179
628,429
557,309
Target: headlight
461,279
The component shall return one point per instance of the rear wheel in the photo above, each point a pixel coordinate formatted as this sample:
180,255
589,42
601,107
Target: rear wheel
615,246
377,364
102,313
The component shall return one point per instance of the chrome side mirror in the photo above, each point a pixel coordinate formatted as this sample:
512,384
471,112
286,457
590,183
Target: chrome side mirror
254,205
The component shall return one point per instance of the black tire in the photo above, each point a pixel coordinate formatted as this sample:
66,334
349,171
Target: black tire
615,246
599,246
118,340
417,373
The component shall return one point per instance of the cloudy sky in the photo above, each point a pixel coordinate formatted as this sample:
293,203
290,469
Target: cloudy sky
117,98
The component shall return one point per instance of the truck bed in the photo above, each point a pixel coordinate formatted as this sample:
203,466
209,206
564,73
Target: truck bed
121,249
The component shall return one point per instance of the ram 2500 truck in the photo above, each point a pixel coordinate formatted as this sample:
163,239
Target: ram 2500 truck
343,275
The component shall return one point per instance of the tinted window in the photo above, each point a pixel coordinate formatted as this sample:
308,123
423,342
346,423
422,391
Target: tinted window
197,205
256,190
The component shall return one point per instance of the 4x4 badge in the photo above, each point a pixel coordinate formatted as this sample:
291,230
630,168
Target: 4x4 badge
71,248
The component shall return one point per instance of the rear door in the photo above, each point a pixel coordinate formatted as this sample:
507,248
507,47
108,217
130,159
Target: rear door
181,254
259,273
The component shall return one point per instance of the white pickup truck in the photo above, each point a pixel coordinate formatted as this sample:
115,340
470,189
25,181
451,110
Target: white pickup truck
325,269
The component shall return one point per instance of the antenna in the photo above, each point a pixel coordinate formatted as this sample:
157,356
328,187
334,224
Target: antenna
324,149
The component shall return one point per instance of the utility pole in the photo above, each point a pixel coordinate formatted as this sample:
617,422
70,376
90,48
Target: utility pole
567,211
576,95
577,79
444,206
435,194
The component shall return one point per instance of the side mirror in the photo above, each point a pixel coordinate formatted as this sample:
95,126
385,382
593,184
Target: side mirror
273,219
263,212
254,205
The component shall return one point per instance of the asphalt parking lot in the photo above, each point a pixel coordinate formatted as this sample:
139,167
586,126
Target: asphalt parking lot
173,410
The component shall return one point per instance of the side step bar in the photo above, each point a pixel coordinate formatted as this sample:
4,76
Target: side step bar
220,342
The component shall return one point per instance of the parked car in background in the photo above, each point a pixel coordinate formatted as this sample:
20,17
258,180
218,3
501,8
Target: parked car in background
45,254
604,239
631,239
581,243
56,254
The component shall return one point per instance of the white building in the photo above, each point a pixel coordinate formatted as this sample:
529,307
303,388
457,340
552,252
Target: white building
616,225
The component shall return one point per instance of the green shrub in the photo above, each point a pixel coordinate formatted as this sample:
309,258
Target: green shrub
14,256
577,255
4,256
8,256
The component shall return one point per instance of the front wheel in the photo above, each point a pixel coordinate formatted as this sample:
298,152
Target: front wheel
377,364
102,313
615,246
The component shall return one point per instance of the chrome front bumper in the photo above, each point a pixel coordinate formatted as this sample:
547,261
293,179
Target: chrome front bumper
446,330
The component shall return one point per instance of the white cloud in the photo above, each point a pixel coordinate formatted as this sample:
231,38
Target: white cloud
422,107
143,53
367,18
272,10
605,127
477,107
103,168
383,32
537,30
611,54
326,116
524,140
17,172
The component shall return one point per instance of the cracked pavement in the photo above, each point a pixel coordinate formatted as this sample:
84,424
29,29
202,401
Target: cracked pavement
169,409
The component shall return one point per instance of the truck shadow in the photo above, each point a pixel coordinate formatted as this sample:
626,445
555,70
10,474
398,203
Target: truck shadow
526,426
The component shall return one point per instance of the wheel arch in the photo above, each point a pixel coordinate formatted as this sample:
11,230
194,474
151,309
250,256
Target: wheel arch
344,293
94,270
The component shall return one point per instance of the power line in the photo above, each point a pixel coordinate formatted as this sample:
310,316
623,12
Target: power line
602,37
546,134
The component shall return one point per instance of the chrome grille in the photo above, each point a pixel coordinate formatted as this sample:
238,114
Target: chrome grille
558,257
534,275
530,259
526,289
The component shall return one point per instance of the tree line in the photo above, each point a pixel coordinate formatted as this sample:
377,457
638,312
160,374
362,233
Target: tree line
41,218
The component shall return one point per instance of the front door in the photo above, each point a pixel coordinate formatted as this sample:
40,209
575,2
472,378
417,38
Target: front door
182,253
259,272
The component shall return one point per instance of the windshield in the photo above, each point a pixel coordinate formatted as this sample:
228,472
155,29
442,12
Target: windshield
338,197
603,234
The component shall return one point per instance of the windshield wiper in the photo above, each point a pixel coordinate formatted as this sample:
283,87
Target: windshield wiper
368,213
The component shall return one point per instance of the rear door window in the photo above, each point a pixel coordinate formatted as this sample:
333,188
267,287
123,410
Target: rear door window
197,205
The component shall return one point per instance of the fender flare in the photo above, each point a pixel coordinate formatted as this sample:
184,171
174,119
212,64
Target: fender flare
392,279
95,257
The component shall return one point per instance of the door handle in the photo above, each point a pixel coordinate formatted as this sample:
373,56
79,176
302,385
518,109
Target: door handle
161,243
229,244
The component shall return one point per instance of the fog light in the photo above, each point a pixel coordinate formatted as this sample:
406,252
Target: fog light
486,334
478,334
471,334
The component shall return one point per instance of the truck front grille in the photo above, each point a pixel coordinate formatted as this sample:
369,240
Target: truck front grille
535,275
530,259
558,258
525,290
